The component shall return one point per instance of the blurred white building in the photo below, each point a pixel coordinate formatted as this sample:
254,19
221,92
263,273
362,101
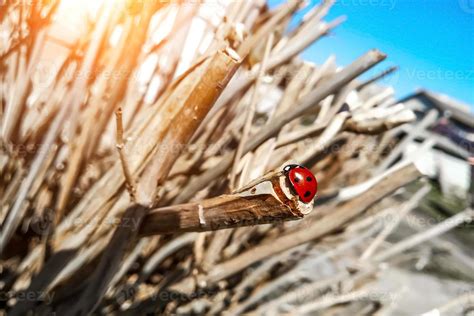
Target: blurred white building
448,125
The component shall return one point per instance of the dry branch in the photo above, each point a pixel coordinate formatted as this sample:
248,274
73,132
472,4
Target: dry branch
251,110
383,74
196,103
269,200
123,157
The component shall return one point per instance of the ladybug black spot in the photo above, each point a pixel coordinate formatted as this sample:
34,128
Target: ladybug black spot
307,193
297,179
309,179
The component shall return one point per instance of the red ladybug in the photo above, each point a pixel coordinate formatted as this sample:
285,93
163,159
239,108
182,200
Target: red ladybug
302,181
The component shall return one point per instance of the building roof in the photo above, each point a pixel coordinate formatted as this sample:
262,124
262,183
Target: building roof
459,111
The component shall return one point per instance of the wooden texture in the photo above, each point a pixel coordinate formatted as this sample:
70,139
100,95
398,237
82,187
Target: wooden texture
226,211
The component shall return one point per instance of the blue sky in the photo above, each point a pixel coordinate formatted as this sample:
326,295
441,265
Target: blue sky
432,41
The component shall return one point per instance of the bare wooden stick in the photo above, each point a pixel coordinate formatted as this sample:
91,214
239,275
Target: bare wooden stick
207,83
251,110
379,76
267,200
123,159
158,143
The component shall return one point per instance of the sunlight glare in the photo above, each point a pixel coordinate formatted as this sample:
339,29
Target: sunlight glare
73,15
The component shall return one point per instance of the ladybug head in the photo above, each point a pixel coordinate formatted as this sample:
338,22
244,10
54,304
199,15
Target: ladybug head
287,168
302,181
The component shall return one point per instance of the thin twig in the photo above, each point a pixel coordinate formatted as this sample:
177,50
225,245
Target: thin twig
130,182
266,200
251,110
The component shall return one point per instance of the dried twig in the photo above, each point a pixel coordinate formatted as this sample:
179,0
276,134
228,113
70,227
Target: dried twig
123,159
251,110
266,200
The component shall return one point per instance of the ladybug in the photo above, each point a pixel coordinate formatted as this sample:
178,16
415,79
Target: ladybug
302,181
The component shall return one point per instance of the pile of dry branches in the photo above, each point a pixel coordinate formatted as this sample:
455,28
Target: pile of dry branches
106,180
